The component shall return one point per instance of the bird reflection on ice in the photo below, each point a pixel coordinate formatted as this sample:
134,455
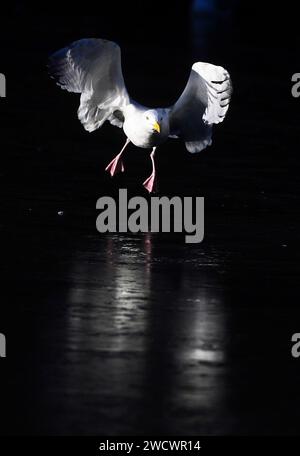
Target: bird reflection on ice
146,329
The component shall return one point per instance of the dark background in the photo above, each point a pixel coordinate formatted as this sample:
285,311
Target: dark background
142,334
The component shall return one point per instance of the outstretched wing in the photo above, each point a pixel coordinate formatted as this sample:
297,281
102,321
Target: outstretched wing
204,102
92,67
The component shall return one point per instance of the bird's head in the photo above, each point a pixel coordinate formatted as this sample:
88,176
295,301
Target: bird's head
153,120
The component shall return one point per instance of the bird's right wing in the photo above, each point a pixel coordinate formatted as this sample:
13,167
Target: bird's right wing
92,67
204,102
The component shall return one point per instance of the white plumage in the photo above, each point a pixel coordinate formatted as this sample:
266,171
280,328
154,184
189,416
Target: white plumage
92,67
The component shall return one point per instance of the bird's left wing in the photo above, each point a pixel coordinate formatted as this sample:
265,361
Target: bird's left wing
92,67
204,102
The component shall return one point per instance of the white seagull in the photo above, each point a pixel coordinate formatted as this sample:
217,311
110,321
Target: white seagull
92,67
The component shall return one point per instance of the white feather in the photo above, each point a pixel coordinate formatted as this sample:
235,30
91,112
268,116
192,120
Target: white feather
204,102
92,67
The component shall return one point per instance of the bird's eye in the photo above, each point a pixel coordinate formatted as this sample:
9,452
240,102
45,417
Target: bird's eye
147,117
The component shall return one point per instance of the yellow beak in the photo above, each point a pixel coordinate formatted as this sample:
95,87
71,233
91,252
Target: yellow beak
156,127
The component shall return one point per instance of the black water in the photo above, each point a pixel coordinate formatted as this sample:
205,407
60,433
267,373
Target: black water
142,334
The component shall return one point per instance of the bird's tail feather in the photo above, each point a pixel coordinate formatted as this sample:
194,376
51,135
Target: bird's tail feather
198,145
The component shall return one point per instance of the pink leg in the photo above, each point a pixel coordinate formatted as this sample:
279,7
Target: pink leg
150,183
116,165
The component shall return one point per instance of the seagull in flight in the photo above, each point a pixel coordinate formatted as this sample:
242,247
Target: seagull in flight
92,68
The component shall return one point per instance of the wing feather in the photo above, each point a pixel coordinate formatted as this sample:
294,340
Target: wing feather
204,102
92,67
